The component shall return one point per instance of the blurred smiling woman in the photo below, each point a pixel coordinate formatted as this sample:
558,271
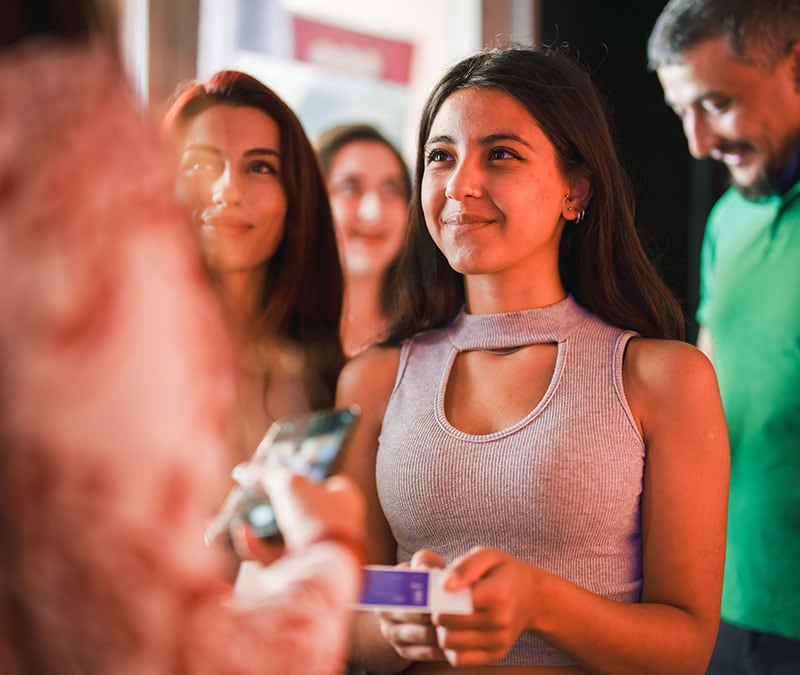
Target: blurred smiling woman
369,189
251,183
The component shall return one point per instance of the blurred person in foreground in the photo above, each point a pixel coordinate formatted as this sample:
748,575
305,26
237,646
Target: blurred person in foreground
369,188
117,395
730,69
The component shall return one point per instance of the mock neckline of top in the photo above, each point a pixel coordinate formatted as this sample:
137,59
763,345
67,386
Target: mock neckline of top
551,323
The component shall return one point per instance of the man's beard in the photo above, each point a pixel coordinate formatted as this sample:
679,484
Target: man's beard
762,186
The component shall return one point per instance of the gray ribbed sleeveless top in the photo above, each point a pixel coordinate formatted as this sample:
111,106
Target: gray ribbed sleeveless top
559,489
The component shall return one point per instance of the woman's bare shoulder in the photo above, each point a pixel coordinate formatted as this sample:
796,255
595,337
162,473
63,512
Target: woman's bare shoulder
665,363
667,375
369,376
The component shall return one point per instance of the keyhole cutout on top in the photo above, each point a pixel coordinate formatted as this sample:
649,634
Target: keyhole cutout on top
488,392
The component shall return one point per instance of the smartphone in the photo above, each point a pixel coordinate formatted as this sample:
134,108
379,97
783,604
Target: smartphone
308,444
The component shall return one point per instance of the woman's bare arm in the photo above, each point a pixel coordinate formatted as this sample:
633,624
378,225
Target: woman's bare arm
367,381
673,394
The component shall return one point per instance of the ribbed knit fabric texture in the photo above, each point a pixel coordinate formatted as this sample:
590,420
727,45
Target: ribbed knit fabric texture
559,489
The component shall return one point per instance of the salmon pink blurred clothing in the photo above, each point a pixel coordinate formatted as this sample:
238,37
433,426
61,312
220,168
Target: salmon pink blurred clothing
117,391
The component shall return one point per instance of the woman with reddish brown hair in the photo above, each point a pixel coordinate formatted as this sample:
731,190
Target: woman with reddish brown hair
250,180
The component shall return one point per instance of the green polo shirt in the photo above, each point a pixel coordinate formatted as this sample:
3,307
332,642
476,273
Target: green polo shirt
750,304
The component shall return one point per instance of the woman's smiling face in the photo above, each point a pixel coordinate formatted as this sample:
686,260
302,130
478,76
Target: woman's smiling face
367,188
492,190
230,181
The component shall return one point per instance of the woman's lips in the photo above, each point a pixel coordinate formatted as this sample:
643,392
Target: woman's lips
463,222
226,226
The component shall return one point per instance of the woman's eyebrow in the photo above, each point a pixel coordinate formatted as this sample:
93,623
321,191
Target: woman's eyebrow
439,139
203,148
503,136
483,140
261,151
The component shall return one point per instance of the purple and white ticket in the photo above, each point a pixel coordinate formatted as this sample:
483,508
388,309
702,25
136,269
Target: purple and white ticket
393,588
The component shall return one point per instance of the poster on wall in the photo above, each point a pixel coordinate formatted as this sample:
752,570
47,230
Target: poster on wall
329,74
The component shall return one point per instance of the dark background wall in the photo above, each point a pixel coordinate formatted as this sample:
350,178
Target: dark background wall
674,191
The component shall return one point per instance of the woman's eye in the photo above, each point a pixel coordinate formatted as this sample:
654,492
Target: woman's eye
393,189
263,167
501,153
199,167
438,155
345,188
200,164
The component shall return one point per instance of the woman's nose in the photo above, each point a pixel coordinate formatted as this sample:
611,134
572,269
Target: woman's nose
369,206
464,182
226,190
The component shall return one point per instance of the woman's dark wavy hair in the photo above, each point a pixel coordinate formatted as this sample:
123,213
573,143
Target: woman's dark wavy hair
303,290
334,139
602,261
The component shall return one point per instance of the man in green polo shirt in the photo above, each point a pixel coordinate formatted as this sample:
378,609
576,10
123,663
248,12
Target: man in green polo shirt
730,69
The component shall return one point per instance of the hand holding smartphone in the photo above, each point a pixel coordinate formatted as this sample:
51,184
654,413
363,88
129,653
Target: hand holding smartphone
308,444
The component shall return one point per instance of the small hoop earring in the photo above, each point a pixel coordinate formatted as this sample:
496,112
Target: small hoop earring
581,212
